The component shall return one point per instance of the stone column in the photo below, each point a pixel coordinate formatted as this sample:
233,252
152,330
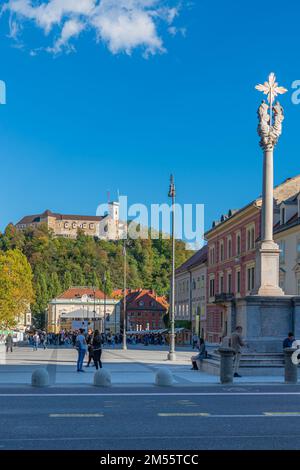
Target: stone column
267,256
226,365
290,369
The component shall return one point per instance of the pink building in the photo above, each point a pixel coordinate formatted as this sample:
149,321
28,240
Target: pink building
232,243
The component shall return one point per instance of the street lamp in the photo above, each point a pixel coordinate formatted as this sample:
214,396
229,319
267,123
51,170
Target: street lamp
104,317
94,292
124,301
171,354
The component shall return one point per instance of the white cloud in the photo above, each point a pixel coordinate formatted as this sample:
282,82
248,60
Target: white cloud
121,24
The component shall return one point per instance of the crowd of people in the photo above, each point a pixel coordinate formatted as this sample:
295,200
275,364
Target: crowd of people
147,338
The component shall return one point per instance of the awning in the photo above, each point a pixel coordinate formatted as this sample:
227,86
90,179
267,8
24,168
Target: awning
81,314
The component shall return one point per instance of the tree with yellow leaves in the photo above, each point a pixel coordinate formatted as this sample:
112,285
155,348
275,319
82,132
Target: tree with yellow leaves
16,291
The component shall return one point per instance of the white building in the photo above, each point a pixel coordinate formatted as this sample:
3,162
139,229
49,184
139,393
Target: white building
190,291
287,235
83,307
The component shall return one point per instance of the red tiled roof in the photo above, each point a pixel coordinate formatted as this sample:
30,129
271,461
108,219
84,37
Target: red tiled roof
134,297
78,292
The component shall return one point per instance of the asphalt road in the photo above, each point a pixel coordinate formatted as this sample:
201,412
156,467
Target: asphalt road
151,418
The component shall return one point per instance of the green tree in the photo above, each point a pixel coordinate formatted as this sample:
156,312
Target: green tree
16,291
107,285
67,280
12,238
54,286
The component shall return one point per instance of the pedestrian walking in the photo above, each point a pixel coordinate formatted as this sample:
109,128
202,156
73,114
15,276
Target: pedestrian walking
43,339
9,343
97,347
237,343
36,341
89,342
81,347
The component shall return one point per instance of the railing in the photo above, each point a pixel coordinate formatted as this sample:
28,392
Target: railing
224,297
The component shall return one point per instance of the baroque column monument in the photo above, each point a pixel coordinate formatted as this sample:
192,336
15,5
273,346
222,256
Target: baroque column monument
267,315
270,118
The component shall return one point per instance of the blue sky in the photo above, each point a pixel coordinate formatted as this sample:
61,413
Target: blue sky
85,116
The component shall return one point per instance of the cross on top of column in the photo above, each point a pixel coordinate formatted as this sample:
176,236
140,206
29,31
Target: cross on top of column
271,88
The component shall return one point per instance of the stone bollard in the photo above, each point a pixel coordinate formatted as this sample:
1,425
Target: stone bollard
40,378
290,368
164,378
102,378
226,365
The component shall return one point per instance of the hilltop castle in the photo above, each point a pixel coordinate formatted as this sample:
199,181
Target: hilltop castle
106,227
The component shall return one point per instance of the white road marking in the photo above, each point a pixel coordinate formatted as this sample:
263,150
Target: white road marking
208,415
76,415
183,414
283,413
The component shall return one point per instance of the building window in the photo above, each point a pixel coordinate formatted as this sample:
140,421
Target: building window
229,248
250,278
282,216
251,238
238,244
229,282
298,248
238,282
282,280
282,251
221,283
221,246
212,255
212,287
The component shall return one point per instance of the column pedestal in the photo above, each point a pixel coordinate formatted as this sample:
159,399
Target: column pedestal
267,270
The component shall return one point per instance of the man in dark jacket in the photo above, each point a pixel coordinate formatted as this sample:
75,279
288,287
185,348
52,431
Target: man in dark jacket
89,342
9,343
287,343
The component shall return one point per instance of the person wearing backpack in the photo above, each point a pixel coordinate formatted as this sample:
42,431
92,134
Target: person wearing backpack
81,347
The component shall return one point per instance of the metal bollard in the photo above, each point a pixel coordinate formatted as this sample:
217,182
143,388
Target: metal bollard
226,365
290,369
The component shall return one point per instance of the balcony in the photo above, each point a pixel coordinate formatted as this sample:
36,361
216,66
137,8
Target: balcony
223,297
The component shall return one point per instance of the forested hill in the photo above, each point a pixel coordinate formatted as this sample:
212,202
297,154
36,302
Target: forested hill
58,263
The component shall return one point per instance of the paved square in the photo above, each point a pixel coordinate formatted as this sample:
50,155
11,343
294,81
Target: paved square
131,367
